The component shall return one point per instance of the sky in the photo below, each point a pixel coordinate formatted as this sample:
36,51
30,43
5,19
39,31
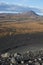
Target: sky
28,3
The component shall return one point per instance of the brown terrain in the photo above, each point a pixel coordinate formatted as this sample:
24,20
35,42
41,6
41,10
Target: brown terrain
21,31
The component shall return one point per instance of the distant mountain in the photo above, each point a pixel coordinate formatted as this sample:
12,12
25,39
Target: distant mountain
6,8
30,14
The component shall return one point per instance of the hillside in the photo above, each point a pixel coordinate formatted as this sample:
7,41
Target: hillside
21,31
23,23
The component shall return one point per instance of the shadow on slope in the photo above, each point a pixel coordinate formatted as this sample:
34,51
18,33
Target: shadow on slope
17,41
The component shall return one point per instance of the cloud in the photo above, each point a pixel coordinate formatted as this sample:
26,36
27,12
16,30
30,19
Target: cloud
3,3
8,12
41,10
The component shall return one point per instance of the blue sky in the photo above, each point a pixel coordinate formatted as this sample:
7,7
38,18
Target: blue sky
28,3
31,3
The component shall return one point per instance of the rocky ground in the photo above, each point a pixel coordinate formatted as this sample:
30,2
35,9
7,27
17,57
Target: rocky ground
27,58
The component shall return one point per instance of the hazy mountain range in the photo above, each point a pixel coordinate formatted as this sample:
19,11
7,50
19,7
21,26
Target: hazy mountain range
8,8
